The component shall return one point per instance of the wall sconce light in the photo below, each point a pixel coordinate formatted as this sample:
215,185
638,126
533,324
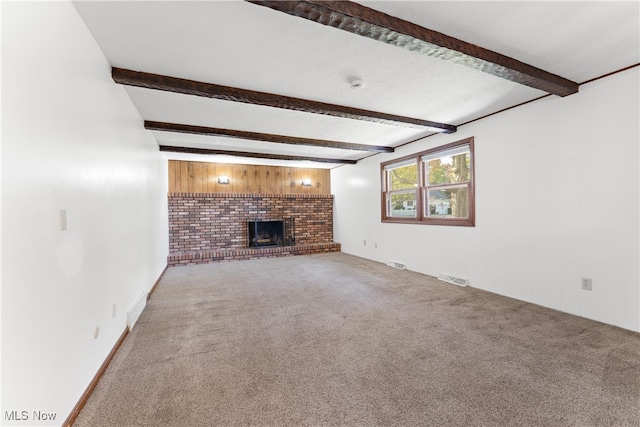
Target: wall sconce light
306,182
223,179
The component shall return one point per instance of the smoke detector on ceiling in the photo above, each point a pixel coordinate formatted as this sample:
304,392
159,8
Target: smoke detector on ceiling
356,83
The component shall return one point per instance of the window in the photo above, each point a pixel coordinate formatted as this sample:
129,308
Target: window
402,181
431,187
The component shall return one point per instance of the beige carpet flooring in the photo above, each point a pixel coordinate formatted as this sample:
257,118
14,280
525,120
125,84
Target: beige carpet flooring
336,340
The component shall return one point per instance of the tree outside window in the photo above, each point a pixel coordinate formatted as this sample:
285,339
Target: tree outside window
448,173
432,187
402,182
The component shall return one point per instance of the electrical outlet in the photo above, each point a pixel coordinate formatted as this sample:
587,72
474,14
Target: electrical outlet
587,284
375,245
113,311
365,243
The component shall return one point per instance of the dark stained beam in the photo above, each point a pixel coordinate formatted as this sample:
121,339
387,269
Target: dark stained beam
227,93
206,151
367,22
255,136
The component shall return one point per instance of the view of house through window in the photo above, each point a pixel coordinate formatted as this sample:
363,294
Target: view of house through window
432,187
403,190
446,192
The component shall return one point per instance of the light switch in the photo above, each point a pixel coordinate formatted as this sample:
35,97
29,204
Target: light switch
62,219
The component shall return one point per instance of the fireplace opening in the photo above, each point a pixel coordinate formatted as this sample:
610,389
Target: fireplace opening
270,233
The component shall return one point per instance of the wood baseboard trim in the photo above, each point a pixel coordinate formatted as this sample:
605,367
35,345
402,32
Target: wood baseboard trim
94,382
155,285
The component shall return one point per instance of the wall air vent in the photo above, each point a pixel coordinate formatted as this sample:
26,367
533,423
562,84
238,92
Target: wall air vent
452,279
136,310
396,264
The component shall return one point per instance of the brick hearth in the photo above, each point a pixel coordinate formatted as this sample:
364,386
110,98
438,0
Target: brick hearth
203,257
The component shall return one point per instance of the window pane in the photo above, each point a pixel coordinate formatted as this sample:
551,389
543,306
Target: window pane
449,169
403,178
448,203
402,205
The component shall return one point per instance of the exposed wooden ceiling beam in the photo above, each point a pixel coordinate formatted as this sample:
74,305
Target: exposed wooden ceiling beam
255,136
364,21
206,151
227,93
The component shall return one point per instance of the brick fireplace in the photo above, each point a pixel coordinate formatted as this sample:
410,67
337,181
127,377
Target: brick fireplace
213,227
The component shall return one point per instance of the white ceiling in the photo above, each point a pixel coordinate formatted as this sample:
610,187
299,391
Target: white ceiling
239,44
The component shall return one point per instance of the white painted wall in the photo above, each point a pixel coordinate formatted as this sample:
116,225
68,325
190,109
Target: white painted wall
557,189
71,139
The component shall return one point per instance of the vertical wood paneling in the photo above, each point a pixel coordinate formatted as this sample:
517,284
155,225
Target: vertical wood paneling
290,182
253,179
278,180
236,176
173,176
200,177
190,177
295,182
260,179
270,187
241,178
196,177
184,177
210,177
